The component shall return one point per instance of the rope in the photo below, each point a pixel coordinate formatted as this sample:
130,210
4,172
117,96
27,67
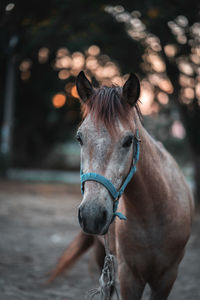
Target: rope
107,278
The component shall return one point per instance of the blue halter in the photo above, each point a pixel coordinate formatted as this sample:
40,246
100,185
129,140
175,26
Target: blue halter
108,184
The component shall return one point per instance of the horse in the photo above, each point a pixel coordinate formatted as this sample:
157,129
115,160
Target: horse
150,244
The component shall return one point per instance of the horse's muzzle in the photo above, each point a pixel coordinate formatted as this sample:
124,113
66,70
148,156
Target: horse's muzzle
93,222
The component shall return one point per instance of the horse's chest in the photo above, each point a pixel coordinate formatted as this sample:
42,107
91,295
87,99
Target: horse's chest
144,249
138,245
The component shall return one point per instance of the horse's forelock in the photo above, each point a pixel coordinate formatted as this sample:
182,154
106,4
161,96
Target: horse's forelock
106,106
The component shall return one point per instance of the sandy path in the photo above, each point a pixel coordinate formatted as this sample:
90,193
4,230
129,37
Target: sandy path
37,222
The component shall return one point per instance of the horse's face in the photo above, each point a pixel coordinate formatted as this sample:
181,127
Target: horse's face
104,153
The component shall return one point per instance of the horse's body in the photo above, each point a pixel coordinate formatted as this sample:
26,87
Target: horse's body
150,244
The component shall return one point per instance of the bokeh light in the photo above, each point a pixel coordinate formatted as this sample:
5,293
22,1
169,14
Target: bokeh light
25,65
68,87
146,98
78,60
166,86
58,100
170,50
91,63
185,67
9,6
163,98
188,93
178,130
25,75
63,62
62,52
94,50
63,74
43,55
74,92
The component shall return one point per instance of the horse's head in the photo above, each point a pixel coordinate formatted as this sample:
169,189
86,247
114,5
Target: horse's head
105,135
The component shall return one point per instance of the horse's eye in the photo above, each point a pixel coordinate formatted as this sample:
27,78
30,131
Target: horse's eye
127,142
79,139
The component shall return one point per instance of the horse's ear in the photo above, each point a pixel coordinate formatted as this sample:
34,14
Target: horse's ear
84,87
131,90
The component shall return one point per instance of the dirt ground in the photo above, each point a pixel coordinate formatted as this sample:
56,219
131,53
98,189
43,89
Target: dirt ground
37,222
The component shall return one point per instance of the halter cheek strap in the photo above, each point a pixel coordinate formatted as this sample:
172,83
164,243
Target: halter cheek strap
108,184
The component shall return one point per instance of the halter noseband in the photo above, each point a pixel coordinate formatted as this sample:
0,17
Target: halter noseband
108,184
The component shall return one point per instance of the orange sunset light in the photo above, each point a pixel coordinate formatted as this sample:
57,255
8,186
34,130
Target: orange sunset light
59,100
74,92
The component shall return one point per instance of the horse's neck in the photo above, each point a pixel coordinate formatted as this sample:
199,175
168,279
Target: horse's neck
136,196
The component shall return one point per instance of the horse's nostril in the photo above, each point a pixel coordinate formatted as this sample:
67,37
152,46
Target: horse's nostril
104,216
100,221
80,219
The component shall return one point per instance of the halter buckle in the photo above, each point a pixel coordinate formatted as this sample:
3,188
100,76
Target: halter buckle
137,138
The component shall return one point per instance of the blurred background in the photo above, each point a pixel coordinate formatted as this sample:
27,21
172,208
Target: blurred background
43,46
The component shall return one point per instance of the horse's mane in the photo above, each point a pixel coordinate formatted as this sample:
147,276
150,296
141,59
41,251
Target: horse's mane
106,105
